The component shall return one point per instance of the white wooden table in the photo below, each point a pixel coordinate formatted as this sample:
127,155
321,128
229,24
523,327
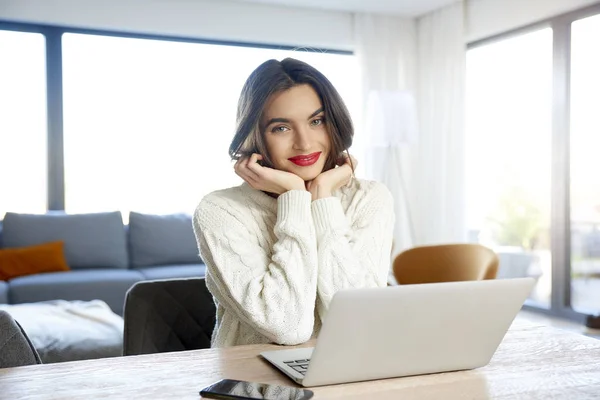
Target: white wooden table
533,362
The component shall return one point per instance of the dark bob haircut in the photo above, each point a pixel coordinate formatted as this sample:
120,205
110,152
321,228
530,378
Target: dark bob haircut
272,77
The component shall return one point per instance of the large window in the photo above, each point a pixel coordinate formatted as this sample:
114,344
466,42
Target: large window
509,138
94,122
585,165
23,158
533,134
147,123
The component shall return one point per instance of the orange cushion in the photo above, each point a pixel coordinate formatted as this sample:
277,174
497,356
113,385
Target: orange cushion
19,261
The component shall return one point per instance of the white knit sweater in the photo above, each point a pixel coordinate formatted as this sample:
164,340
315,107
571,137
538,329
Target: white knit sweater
273,265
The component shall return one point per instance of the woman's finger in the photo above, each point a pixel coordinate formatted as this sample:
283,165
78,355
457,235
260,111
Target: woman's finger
342,159
246,175
246,161
253,182
253,164
352,162
239,165
239,171
249,167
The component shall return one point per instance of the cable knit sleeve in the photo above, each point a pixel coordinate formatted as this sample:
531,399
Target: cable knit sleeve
271,290
353,252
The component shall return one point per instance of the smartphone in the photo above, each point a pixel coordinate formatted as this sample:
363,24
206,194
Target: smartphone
227,389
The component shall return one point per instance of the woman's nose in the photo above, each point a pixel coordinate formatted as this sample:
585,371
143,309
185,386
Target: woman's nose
302,139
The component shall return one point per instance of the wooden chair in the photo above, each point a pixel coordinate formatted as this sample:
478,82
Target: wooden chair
445,263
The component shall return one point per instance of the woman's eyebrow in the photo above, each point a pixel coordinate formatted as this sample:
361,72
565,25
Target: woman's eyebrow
274,120
287,121
320,110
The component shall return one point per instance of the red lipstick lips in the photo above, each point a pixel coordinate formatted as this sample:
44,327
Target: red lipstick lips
305,160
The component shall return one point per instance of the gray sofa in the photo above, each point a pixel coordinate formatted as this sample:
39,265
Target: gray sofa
106,257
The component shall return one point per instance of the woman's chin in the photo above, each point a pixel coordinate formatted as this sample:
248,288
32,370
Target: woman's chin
309,178
308,173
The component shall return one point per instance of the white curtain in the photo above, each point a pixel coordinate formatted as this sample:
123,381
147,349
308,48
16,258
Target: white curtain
439,190
385,48
415,67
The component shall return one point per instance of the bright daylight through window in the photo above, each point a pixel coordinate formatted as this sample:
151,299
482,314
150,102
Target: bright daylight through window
148,123
585,165
509,137
23,122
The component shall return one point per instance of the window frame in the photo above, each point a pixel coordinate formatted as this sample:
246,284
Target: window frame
560,218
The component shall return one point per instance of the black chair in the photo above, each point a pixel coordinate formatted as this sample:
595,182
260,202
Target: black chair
168,315
16,350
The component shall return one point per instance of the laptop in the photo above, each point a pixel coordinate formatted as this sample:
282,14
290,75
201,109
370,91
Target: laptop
406,330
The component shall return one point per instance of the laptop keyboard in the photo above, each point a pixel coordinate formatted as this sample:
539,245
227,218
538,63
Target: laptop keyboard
298,365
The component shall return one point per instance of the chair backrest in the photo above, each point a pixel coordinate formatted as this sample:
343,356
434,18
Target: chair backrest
445,263
16,350
168,315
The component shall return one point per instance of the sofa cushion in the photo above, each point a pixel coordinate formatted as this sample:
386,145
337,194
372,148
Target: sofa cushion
109,285
91,240
3,292
174,271
20,261
161,240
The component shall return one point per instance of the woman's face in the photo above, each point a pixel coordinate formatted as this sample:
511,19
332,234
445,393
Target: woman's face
293,124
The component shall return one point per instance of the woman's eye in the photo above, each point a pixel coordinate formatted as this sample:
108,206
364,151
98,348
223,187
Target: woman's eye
317,122
278,129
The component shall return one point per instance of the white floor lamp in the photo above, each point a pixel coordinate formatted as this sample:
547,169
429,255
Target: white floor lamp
391,125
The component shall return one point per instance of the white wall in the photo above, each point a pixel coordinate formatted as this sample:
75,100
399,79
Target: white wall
205,19
489,17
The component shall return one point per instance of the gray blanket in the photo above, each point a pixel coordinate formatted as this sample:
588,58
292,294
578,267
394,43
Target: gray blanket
70,330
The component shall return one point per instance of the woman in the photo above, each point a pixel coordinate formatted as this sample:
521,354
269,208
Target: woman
278,247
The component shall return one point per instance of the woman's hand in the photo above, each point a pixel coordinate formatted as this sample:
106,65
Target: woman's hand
329,181
267,179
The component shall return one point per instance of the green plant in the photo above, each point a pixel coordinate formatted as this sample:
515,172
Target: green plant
517,219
